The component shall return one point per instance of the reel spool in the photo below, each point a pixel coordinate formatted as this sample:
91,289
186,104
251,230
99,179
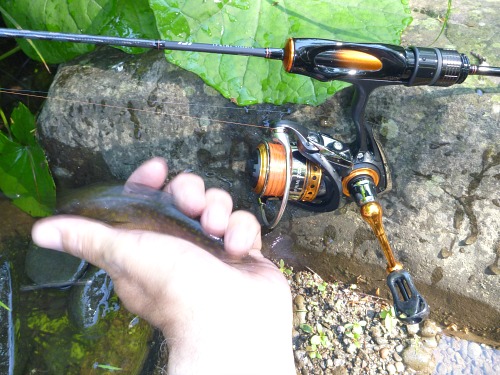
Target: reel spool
297,171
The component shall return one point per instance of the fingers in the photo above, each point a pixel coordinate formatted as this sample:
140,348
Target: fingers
151,173
215,217
189,193
242,234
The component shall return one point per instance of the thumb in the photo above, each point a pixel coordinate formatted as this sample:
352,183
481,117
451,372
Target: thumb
83,238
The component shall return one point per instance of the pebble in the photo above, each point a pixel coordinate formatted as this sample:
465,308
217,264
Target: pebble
399,348
430,342
384,352
416,357
400,367
381,340
412,329
397,357
351,349
391,369
430,329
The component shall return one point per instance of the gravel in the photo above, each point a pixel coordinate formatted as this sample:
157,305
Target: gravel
338,330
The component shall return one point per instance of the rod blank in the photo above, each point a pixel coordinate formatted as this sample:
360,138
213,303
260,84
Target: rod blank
269,53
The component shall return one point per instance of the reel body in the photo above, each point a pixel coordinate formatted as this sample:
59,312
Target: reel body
311,169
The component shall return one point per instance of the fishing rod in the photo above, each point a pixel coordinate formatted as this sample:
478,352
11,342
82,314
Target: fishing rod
319,58
312,169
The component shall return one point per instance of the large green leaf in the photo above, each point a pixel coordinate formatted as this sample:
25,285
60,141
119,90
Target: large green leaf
252,23
130,18
268,23
24,172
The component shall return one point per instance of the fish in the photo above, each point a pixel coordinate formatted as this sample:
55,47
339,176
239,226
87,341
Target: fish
139,207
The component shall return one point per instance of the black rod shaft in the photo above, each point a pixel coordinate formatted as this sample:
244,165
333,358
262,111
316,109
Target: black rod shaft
484,71
269,53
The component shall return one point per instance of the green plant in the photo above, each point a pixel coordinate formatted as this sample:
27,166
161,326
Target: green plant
107,367
388,315
322,287
445,20
251,23
283,269
4,306
354,331
24,173
317,341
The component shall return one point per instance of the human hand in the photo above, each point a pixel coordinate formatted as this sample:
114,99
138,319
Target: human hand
217,318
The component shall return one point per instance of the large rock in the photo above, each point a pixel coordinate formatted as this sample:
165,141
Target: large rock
442,217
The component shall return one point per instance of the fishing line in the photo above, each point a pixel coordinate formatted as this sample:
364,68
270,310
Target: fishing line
46,96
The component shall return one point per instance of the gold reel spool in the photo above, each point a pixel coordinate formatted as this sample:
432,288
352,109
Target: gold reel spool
281,172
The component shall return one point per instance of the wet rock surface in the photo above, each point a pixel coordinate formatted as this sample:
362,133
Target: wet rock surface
48,268
91,301
7,329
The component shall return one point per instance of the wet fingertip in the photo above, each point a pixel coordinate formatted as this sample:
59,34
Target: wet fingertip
47,235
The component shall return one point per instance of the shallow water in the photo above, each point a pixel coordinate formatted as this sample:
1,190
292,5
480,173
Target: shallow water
457,356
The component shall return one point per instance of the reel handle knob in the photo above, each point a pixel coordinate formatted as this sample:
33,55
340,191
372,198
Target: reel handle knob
410,306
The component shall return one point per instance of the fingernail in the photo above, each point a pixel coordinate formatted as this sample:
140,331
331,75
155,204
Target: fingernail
47,235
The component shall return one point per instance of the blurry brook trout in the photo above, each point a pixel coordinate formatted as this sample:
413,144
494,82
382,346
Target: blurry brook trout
139,207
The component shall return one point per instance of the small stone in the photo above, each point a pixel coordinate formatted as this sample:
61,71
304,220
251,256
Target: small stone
384,352
399,348
413,329
397,357
400,367
376,332
494,269
299,355
430,329
416,357
329,363
446,253
430,342
391,369
340,371
474,350
299,302
381,341
351,349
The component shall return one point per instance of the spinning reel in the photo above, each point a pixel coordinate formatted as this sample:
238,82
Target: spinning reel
315,171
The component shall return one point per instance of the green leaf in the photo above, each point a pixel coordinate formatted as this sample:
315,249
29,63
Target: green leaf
108,367
3,305
131,18
24,173
251,23
266,23
306,328
315,340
